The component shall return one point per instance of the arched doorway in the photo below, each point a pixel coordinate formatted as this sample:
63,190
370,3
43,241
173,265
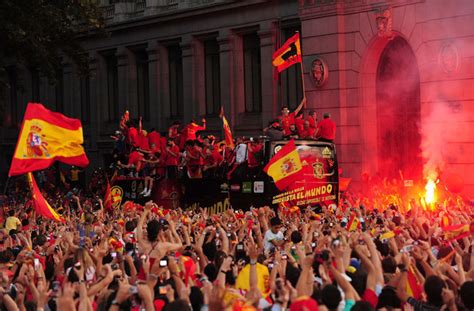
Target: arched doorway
398,111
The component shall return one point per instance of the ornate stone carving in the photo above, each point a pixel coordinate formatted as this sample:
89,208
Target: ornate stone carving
449,58
384,23
319,72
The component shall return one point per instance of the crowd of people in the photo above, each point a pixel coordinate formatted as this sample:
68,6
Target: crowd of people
377,252
148,258
183,151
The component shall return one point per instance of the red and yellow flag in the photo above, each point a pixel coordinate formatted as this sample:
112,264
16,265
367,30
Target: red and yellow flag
288,55
229,140
413,288
285,167
42,207
456,232
45,137
353,223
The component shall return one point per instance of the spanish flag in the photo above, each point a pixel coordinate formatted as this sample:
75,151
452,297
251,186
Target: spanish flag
45,137
108,197
289,54
42,207
353,224
456,232
285,166
229,140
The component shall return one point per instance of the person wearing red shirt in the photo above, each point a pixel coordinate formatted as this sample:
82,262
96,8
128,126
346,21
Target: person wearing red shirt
193,159
189,132
299,122
253,148
287,118
132,136
154,140
212,161
326,130
312,118
143,142
171,158
135,159
173,131
307,132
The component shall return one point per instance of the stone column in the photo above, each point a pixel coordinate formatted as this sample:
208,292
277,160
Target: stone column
156,104
97,99
164,84
190,106
226,74
123,71
69,90
269,88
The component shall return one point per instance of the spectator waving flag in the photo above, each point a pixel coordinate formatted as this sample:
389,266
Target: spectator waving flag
288,55
229,140
46,137
42,206
285,167
354,223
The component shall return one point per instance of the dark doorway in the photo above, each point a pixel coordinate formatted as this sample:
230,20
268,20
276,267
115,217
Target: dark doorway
398,112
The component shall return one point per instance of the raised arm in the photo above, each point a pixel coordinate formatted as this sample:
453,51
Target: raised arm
301,105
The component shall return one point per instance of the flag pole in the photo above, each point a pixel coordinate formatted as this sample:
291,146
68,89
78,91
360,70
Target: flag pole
302,72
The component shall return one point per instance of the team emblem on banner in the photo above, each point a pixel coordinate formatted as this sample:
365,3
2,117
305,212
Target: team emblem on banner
318,170
116,193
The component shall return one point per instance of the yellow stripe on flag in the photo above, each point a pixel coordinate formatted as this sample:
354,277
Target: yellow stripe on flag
285,166
50,139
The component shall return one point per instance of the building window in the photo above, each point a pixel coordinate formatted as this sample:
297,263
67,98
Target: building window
112,88
143,85
59,91
252,69
291,89
13,84
175,62
212,73
85,99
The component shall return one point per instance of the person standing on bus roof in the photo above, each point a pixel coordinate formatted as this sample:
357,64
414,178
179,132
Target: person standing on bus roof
288,118
326,130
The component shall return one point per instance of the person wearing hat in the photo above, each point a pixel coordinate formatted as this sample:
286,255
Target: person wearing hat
326,129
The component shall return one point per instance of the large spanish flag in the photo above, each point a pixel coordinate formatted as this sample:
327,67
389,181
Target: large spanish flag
285,167
289,54
45,137
229,140
42,207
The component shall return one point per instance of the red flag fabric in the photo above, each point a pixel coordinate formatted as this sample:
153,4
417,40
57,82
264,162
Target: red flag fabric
456,232
413,288
285,167
108,197
46,137
42,207
344,183
229,140
288,55
354,223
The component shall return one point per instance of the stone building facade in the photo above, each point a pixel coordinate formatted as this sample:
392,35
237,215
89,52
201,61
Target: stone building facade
379,67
